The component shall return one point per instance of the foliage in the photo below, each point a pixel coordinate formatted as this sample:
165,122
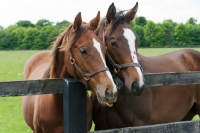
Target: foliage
1,27
43,22
7,41
29,40
25,23
139,31
46,36
192,21
62,25
24,35
154,34
168,27
141,21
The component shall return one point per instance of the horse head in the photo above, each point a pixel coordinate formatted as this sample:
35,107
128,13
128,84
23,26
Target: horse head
78,52
116,32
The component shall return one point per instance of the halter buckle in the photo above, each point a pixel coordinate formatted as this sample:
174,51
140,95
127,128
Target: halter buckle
72,60
86,77
116,68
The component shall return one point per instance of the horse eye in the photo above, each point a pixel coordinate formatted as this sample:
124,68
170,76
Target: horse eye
83,51
113,43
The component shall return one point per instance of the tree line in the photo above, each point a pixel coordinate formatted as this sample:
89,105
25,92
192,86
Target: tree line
24,35
167,33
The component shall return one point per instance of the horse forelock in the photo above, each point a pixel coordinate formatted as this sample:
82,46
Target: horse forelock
110,28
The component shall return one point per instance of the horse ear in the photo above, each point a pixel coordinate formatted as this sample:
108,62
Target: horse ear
131,14
77,21
94,22
111,12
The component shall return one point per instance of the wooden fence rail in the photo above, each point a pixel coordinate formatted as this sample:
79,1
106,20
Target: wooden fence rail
46,86
175,127
74,92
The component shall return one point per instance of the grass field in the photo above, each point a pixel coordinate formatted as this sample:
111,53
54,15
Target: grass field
11,68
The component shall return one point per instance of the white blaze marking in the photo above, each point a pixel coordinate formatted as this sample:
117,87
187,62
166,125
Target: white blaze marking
97,46
128,34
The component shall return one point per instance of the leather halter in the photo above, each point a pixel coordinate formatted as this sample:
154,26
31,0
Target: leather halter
118,67
86,76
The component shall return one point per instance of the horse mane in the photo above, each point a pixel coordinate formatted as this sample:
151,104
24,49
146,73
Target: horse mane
61,44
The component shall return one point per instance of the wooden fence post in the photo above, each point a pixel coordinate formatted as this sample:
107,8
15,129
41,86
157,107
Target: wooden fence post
74,106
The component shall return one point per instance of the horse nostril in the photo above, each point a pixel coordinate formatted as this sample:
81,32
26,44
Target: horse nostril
134,87
107,93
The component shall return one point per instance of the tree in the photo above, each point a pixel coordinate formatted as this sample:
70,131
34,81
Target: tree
197,35
2,36
139,31
191,21
1,28
7,41
190,32
25,23
168,27
43,22
46,36
180,35
19,35
141,21
62,25
11,28
29,40
154,34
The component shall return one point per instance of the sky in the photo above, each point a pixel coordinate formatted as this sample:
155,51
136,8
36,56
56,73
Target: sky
11,11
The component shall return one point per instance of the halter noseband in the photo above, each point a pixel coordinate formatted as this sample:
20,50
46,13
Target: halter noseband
86,76
117,67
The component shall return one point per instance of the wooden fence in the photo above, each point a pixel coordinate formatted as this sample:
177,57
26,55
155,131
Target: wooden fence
74,104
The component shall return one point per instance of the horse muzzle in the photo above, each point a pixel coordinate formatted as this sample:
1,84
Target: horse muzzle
136,89
108,98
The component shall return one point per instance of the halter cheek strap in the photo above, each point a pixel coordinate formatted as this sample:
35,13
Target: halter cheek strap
86,76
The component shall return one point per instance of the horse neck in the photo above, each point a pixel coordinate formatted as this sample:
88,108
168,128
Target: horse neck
140,58
60,70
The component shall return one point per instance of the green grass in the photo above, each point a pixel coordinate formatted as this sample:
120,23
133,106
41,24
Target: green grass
158,51
11,68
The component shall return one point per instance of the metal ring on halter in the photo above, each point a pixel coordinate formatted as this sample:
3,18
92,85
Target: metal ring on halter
116,68
86,77
72,60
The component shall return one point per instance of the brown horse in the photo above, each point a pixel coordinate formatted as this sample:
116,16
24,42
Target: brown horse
77,52
116,32
156,104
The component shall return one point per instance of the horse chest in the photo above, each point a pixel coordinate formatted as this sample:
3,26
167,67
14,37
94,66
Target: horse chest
49,111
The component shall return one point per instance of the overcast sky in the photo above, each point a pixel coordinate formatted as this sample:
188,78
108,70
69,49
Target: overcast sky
11,11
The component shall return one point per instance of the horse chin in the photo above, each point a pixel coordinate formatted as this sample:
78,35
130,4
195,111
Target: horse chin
137,91
104,103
